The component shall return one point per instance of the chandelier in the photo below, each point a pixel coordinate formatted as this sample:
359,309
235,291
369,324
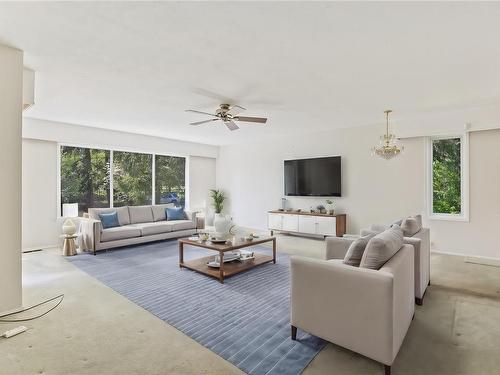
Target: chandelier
388,147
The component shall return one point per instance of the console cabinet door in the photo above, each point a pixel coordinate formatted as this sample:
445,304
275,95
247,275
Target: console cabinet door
326,226
291,223
307,224
275,221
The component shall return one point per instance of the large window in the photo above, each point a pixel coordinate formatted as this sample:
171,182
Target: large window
85,177
132,179
88,175
448,178
170,176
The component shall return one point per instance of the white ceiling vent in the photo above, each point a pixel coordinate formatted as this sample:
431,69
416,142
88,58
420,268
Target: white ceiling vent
28,88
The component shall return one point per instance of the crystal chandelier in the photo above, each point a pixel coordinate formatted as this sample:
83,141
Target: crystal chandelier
388,147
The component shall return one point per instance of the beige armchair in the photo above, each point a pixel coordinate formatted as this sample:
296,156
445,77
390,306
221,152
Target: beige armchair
364,310
421,242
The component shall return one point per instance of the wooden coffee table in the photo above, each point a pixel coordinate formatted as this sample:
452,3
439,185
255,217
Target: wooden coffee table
230,268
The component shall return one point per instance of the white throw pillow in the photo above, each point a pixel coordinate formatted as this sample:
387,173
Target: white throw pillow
381,248
410,226
356,250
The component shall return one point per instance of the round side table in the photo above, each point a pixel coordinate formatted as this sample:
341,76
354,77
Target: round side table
69,245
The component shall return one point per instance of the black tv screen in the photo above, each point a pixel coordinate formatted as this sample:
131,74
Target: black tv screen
313,177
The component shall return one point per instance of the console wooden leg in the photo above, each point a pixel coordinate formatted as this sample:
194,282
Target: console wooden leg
181,254
419,301
294,333
387,370
274,250
221,267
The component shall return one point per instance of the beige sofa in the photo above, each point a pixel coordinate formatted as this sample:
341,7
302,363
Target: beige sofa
367,311
421,241
138,224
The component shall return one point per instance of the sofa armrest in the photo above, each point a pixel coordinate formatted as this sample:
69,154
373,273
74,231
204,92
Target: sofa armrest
422,239
191,216
401,267
91,233
349,306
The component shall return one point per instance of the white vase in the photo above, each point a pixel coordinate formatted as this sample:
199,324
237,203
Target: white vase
69,227
222,224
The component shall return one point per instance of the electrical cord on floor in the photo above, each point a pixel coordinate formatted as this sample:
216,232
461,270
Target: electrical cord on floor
61,296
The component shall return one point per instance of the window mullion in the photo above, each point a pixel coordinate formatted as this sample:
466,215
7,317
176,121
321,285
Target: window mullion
111,174
153,179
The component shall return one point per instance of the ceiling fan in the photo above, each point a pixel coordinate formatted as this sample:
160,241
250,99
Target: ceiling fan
228,114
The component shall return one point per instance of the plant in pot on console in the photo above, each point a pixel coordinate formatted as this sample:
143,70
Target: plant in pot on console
321,209
222,223
329,204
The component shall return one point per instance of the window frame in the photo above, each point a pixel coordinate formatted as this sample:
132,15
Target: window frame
464,179
111,151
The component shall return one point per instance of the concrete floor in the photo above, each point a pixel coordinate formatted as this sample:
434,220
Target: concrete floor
97,331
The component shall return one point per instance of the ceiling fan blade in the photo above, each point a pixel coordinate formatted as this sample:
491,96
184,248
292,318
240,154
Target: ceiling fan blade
231,125
200,112
204,121
261,120
235,109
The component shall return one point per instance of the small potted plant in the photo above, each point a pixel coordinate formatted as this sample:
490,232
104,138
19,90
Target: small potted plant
321,209
329,203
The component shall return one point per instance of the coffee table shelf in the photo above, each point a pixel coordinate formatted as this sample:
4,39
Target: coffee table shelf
229,268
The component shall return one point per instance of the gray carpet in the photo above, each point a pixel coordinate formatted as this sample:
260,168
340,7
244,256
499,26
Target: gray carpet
246,320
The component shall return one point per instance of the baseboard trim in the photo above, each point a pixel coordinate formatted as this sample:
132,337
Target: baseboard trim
12,311
475,258
35,248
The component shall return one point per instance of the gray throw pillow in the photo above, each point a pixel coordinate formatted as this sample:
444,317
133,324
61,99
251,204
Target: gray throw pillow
381,248
356,250
410,226
419,220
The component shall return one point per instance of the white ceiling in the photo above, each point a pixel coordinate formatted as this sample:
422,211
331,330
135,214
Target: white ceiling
306,66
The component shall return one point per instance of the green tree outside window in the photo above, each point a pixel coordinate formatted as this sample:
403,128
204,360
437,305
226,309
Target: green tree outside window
446,176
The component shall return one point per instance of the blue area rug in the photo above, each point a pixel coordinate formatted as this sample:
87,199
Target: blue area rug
246,320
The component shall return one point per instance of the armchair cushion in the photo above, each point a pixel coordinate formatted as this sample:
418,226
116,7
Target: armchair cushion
356,250
382,247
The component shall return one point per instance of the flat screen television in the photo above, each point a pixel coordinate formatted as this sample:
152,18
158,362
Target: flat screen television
318,177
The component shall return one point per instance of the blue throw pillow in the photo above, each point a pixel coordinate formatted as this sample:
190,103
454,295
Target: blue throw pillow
176,213
109,220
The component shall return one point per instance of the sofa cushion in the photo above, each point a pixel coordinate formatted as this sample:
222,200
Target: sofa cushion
356,250
181,224
159,211
176,213
140,214
410,226
123,216
149,229
109,220
120,233
382,247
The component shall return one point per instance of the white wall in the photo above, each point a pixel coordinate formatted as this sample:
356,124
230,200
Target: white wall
41,224
479,236
11,78
97,137
201,180
41,227
372,189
